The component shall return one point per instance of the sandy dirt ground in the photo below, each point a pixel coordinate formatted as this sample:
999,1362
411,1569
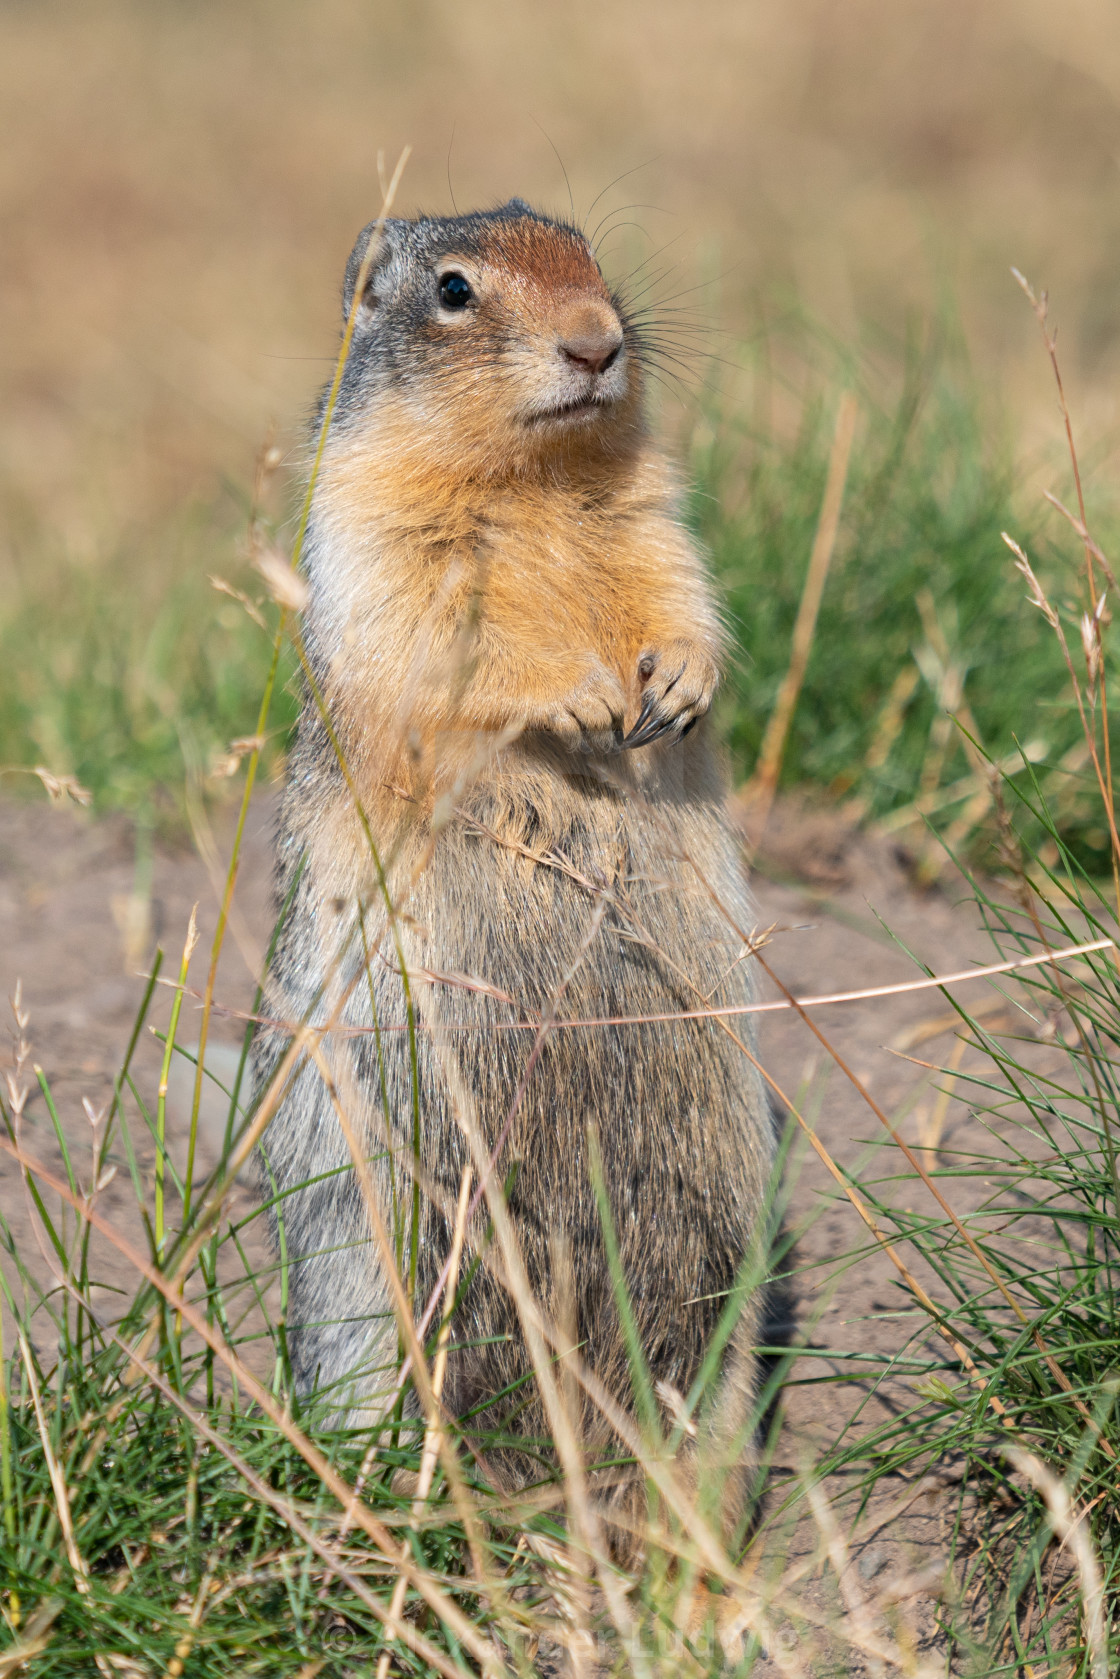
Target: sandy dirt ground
831,895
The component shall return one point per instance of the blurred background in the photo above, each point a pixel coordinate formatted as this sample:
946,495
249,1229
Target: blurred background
833,193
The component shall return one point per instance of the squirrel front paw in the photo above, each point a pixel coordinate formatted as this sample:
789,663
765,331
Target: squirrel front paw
589,718
679,681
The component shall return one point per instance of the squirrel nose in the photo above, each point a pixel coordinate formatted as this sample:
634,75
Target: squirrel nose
592,351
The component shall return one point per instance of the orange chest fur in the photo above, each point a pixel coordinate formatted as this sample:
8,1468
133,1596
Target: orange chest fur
532,566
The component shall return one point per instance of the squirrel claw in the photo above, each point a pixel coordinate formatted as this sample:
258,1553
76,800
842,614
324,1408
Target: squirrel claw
646,724
653,725
680,692
649,700
658,728
653,730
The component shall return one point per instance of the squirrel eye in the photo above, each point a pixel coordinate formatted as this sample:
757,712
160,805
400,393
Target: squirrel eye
454,292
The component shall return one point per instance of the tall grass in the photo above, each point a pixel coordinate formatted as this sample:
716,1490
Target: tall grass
128,673
923,661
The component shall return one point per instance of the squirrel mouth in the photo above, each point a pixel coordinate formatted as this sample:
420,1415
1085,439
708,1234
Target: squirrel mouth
578,408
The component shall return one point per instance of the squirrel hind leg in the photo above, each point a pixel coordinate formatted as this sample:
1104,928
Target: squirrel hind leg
342,1341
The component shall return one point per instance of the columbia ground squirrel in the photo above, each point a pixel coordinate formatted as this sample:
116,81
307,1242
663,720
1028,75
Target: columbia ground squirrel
516,644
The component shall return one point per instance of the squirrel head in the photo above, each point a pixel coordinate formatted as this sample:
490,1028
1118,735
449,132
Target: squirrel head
490,341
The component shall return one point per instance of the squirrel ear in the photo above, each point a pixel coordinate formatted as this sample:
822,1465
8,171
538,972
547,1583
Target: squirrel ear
518,207
371,253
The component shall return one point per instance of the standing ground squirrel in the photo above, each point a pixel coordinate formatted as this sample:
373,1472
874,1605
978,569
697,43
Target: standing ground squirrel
516,645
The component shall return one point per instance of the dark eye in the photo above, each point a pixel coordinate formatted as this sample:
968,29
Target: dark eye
454,292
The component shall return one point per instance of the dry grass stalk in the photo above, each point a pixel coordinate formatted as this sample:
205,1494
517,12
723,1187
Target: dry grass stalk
1040,306
36,1638
177,1665
953,723
931,1125
78,1567
935,982
54,1470
586,1530
63,787
164,1078
841,1558
758,794
1069,1526
439,1368
285,585
406,1324
434,1429
950,1021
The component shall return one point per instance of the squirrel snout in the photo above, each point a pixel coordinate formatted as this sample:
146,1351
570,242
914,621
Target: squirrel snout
592,340
593,352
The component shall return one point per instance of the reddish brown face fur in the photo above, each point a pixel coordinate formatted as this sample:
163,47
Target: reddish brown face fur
527,363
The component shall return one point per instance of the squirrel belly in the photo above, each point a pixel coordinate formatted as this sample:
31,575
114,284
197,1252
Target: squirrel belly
509,884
